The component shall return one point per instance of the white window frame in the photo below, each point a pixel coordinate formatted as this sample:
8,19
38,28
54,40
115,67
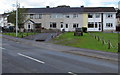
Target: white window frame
52,25
97,15
67,16
38,16
75,25
109,15
91,23
109,25
31,16
75,15
90,15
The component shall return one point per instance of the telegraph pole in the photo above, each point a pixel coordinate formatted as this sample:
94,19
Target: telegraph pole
17,18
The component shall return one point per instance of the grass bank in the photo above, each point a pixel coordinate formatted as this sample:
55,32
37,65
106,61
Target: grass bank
87,41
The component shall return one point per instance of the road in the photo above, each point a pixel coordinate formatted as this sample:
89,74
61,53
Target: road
21,58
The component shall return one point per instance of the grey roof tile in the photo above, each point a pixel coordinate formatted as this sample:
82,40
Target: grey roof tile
71,10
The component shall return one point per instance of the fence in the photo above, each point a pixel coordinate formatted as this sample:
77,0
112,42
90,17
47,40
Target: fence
104,42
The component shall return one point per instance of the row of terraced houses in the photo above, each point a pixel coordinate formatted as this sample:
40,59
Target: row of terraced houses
69,18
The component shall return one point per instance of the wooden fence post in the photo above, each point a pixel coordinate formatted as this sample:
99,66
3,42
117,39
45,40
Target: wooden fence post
118,47
108,44
98,38
95,36
103,41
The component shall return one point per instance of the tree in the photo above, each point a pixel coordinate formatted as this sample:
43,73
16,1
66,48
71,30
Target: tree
118,11
21,17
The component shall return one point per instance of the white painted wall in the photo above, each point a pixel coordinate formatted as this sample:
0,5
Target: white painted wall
45,20
94,19
109,20
1,21
28,23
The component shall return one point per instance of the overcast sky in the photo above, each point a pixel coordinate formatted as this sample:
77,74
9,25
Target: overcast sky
8,5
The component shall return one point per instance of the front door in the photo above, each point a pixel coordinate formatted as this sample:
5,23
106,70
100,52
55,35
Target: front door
100,27
97,26
66,27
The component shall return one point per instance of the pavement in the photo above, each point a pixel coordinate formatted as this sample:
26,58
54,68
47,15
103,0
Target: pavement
27,56
67,49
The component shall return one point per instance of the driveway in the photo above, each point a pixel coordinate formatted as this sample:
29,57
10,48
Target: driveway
42,37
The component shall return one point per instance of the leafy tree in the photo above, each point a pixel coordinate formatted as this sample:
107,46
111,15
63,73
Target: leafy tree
21,17
118,11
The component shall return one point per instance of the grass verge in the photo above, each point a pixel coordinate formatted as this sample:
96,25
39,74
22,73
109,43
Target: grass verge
20,35
86,41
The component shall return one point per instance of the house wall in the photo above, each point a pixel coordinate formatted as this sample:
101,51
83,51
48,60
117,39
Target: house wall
5,21
1,21
85,20
118,21
82,21
29,23
109,20
47,19
95,20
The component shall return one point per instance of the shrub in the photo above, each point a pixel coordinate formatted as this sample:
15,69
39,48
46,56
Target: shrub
84,29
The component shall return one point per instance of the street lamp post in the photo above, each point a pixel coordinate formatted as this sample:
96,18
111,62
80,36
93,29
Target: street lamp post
16,18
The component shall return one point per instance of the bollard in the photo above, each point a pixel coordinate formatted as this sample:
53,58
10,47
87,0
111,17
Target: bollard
108,44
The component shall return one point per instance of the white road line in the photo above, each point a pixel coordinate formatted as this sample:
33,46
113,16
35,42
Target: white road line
2,48
72,73
31,58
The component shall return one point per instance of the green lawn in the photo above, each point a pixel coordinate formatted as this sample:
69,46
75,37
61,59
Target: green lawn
86,41
20,34
113,37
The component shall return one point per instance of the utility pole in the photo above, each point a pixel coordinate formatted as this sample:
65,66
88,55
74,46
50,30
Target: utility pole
17,18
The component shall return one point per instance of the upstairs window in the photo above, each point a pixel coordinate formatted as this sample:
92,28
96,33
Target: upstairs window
97,15
90,15
38,16
31,16
53,16
59,15
67,16
56,16
75,15
109,15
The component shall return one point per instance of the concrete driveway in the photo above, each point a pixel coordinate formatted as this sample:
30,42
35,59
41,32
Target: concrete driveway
42,37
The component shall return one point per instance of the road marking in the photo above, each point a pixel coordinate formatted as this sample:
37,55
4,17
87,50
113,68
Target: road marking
2,48
72,73
31,58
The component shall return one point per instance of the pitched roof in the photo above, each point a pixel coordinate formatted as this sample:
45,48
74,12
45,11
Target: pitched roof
70,9
54,10
99,9
33,21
